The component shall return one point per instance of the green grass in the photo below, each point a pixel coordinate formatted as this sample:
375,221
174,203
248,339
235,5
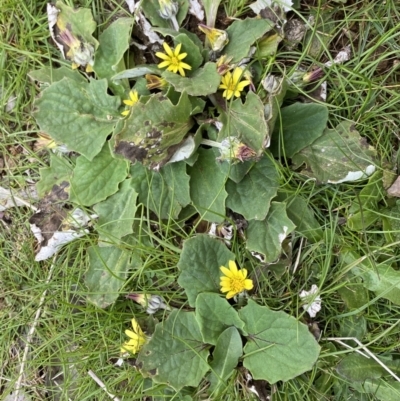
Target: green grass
72,336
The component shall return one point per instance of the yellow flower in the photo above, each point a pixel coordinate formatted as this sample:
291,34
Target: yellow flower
217,37
231,83
234,281
136,339
173,60
133,99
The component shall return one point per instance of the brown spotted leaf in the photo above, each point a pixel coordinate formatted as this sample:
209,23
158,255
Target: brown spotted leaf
154,130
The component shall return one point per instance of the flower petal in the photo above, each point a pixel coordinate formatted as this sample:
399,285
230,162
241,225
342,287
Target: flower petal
237,73
167,49
163,56
177,50
125,113
164,64
181,56
232,266
226,271
230,294
184,65
248,284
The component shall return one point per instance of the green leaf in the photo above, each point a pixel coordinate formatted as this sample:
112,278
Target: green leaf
379,278
108,60
302,216
362,212
202,83
278,347
357,368
353,326
95,180
237,171
353,294
153,131
151,11
251,197
138,71
301,124
382,390
199,264
242,34
226,356
339,155
175,354
117,213
48,75
194,57
165,192
266,236
60,170
207,187
108,269
214,315
211,9
78,114
246,122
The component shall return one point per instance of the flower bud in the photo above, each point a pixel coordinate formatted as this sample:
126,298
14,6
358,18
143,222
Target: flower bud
234,150
155,82
217,37
271,83
168,9
152,303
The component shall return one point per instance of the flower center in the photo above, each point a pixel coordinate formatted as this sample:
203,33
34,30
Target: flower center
237,284
175,61
231,85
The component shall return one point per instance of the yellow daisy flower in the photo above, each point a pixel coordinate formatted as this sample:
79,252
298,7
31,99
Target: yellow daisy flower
231,83
133,99
136,339
173,60
234,281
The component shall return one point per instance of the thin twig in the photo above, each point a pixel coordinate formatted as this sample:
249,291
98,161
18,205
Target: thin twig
364,348
102,385
29,337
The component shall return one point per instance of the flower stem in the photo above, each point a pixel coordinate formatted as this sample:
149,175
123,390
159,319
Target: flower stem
209,142
174,22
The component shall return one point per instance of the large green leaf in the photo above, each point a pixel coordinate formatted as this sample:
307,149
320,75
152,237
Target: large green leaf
81,115
207,187
226,356
251,197
154,130
357,368
301,124
214,315
377,277
302,216
94,181
47,75
266,236
278,347
60,170
108,60
165,192
199,264
203,82
380,389
108,269
116,213
242,34
246,122
339,155
175,354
